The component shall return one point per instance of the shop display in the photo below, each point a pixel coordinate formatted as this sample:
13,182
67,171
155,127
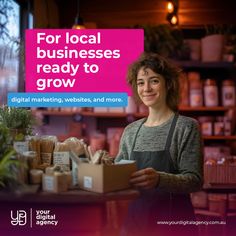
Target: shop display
228,93
206,123
195,89
210,93
219,126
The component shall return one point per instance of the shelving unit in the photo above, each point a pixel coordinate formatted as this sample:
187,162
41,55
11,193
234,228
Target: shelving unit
205,65
214,137
137,115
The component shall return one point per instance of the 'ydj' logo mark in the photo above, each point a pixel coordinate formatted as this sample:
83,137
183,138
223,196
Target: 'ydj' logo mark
19,219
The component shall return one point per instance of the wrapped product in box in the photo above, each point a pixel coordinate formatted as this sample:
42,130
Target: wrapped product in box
102,178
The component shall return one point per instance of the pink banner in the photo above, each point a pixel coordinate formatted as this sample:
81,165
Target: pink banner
80,60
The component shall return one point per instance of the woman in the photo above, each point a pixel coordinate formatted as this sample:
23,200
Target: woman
167,150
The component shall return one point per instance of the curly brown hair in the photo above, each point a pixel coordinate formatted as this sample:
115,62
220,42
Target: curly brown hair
161,66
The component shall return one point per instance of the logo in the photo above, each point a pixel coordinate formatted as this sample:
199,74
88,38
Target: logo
20,218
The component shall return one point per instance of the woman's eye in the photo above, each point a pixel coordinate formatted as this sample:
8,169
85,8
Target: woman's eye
155,81
140,83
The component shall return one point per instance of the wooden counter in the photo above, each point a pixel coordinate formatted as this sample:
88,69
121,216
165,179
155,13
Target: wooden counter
78,212
73,197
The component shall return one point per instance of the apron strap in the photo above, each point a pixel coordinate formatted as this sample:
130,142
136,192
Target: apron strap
135,137
171,132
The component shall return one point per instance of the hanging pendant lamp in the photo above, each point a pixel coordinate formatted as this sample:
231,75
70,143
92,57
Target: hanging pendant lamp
79,24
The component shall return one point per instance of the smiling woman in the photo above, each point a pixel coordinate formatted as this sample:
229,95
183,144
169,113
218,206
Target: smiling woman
167,149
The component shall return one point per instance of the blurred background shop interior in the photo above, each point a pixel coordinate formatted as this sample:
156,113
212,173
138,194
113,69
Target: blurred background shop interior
199,36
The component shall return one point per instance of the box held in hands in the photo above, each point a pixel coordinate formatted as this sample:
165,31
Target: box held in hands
105,178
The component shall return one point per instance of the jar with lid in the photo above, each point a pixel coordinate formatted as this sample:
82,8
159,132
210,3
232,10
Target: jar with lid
227,126
206,123
211,98
195,86
219,126
228,93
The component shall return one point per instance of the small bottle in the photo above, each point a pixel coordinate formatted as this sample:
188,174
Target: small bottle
228,93
227,126
219,126
195,86
206,124
210,93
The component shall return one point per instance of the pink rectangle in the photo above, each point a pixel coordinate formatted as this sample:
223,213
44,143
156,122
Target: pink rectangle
80,60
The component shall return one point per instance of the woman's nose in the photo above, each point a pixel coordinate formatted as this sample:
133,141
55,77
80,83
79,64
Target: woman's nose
147,87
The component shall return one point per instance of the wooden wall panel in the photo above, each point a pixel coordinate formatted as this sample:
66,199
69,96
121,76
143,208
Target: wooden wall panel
45,14
202,12
126,13
115,14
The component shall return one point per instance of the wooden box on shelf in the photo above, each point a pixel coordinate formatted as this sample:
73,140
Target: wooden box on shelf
199,199
232,201
218,203
220,174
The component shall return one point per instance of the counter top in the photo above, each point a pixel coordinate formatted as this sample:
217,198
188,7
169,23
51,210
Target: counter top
70,197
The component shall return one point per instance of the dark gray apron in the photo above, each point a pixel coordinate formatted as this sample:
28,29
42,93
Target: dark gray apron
156,205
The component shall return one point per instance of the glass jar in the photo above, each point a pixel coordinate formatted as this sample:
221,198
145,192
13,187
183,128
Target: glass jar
219,126
211,98
206,123
195,85
228,93
227,126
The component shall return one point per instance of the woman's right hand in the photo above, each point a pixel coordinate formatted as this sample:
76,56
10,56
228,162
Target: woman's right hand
147,178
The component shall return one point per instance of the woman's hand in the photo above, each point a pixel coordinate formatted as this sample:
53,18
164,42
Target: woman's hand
146,178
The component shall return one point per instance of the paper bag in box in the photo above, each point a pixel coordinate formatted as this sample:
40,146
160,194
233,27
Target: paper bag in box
105,178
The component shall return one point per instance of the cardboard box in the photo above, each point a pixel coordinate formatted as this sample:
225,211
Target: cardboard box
55,183
105,178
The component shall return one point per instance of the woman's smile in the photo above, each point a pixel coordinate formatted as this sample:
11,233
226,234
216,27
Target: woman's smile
149,96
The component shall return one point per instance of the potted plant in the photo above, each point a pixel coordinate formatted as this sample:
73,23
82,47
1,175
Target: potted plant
212,45
166,41
7,163
20,121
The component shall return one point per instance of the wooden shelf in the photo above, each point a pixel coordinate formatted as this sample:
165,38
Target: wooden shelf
230,187
77,196
193,109
117,114
56,113
205,65
103,114
207,213
219,137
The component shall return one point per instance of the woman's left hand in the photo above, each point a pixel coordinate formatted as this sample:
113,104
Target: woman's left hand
146,178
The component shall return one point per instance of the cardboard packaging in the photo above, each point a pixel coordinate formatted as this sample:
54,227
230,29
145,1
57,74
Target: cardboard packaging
55,183
105,178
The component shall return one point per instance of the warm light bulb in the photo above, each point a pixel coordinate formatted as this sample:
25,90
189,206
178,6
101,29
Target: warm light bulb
78,27
174,20
170,7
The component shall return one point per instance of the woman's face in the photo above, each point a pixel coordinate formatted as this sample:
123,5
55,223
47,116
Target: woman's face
151,88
